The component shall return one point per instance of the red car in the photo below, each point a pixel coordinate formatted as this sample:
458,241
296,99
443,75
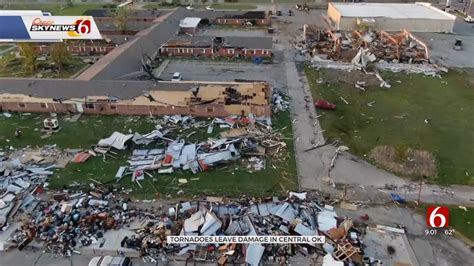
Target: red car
325,105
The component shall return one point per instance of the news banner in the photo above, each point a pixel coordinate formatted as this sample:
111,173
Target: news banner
311,240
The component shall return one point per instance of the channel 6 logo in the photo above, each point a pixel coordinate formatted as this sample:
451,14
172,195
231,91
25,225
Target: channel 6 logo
83,26
437,216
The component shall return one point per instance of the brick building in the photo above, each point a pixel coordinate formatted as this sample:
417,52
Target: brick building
258,18
80,48
204,99
207,46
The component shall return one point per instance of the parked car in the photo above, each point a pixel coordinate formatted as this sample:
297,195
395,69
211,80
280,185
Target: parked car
110,261
210,8
469,19
325,105
190,8
176,77
458,45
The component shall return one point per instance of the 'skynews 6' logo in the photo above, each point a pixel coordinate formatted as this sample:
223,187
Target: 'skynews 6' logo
437,217
83,26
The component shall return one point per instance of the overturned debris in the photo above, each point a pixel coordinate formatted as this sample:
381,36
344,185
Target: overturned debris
244,139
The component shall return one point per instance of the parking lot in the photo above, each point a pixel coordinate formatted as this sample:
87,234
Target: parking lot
225,71
442,49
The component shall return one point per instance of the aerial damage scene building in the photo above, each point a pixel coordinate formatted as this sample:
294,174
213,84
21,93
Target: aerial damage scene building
258,18
205,99
416,17
229,133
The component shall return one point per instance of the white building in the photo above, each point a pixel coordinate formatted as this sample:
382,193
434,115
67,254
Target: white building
416,17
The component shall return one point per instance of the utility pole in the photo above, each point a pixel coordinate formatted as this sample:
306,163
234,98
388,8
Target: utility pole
419,192
468,11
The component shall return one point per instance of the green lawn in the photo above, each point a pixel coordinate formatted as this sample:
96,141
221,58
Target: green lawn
231,179
12,67
462,221
55,9
397,118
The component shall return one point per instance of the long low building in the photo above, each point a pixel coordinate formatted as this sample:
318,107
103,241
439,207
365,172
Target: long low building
205,99
415,17
208,46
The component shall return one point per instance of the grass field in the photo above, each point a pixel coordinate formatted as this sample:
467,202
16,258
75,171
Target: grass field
12,67
397,118
55,9
462,221
228,180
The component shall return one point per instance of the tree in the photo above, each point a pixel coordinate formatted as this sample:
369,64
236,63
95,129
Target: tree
69,3
60,55
121,19
29,55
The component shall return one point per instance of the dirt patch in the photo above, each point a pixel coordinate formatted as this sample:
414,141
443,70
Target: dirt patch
405,161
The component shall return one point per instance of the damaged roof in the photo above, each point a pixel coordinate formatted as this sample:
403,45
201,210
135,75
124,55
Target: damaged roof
189,41
248,15
249,42
229,41
73,88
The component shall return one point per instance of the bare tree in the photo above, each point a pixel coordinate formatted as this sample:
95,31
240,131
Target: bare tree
120,19
60,55
29,55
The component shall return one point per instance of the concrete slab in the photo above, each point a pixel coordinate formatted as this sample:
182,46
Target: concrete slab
377,242
111,245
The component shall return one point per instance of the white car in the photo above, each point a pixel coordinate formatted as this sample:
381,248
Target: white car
176,77
190,8
210,8
469,19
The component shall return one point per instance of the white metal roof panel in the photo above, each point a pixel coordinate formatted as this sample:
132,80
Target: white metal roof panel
189,22
396,11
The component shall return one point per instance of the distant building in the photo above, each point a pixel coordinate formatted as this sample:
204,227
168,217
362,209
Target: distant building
80,47
208,46
258,18
416,17
189,25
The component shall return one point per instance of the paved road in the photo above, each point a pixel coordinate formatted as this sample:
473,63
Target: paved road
127,59
441,49
429,250
461,27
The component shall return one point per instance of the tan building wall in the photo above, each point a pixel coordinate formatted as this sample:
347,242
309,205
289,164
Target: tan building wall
334,15
209,101
206,110
390,24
